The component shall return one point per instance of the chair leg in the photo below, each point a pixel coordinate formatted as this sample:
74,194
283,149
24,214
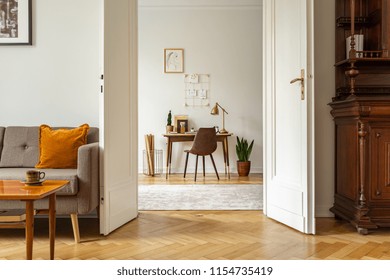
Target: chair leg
215,168
185,168
196,167
204,173
75,225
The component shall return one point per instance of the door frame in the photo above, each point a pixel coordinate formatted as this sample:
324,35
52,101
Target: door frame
310,84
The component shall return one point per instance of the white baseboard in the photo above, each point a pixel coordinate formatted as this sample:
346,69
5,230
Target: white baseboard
199,3
233,169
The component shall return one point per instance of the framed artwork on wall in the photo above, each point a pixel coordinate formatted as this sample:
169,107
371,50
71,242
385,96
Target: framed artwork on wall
173,60
15,22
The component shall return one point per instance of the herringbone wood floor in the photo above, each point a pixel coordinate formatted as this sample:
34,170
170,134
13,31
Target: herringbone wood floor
200,235
210,178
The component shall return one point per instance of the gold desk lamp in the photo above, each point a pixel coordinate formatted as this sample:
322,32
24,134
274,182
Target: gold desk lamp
215,111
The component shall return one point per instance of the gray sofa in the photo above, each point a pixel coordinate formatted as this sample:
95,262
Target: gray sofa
19,152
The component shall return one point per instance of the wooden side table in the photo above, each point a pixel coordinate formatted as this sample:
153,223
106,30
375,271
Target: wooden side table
16,190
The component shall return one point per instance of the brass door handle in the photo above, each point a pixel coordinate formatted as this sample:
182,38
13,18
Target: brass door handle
302,80
296,80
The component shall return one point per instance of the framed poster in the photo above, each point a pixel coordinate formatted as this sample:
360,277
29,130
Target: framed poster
15,22
173,60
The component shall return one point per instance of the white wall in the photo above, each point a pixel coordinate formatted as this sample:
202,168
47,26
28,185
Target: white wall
220,38
324,91
56,80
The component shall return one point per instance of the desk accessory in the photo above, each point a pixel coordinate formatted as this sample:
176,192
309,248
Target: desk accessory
215,111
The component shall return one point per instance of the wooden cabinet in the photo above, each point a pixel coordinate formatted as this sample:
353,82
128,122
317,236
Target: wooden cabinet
362,192
361,112
366,71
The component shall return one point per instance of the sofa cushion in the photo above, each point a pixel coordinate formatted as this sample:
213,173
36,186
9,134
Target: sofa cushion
59,147
20,147
51,174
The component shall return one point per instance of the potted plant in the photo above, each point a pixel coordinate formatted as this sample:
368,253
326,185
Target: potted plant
243,151
169,127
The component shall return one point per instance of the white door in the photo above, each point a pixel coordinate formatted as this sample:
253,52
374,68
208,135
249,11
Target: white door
289,113
119,114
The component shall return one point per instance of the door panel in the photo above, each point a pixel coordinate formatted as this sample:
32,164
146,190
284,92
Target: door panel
380,162
119,115
288,114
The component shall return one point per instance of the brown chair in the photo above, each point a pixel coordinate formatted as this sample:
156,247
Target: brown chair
205,143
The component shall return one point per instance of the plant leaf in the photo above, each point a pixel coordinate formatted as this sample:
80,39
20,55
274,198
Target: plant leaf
243,150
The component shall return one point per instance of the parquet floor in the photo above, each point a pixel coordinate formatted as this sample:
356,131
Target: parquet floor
200,235
205,235
210,178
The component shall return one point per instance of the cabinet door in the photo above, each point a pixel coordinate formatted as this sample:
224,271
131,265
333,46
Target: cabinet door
380,162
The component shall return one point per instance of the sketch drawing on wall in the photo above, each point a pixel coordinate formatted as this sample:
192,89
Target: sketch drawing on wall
173,60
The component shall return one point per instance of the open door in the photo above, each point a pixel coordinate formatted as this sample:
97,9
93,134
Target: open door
289,113
119,115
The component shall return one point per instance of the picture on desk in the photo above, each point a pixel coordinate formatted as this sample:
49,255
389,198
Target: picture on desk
181,123
182,126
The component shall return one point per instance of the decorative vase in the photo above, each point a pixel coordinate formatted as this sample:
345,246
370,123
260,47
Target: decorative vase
243,168
169,128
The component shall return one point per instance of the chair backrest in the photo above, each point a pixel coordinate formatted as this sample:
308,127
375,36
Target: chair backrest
205,142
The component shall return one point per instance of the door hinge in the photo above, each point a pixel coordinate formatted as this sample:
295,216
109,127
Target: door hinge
101,87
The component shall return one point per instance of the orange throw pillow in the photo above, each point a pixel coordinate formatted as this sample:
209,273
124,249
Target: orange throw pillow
58,147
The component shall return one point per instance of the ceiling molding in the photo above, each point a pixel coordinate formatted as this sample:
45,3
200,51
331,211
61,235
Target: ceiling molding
200,3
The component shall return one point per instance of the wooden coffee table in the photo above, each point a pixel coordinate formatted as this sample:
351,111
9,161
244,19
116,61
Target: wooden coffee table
16,190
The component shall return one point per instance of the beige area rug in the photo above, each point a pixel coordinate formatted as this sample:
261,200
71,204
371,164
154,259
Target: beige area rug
200,197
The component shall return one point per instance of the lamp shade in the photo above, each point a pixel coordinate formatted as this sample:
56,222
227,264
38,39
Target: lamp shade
215,110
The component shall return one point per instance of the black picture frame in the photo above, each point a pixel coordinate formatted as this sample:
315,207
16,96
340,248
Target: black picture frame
178,126
15,22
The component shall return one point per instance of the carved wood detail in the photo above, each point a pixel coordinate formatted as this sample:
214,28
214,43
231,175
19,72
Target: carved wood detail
362,133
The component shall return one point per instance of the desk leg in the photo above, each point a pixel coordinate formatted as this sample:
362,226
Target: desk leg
29,228
52,223
224,155
168,157
225,141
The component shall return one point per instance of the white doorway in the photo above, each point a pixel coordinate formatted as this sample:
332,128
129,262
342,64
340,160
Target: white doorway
220,39
306,195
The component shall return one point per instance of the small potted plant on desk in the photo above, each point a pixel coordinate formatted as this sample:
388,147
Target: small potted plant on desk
169,126
243,151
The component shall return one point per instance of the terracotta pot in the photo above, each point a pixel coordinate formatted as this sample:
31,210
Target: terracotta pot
169,128
243,168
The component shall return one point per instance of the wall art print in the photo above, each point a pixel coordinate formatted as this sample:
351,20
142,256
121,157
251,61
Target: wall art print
15,22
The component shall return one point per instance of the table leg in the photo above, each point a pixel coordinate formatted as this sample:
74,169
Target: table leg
52,223
29,228
227,156
224,155
168,157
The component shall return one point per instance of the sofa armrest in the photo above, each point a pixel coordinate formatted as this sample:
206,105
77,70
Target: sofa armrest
88,177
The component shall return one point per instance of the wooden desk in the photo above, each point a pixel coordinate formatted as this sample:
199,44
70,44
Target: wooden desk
188,137
15,190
